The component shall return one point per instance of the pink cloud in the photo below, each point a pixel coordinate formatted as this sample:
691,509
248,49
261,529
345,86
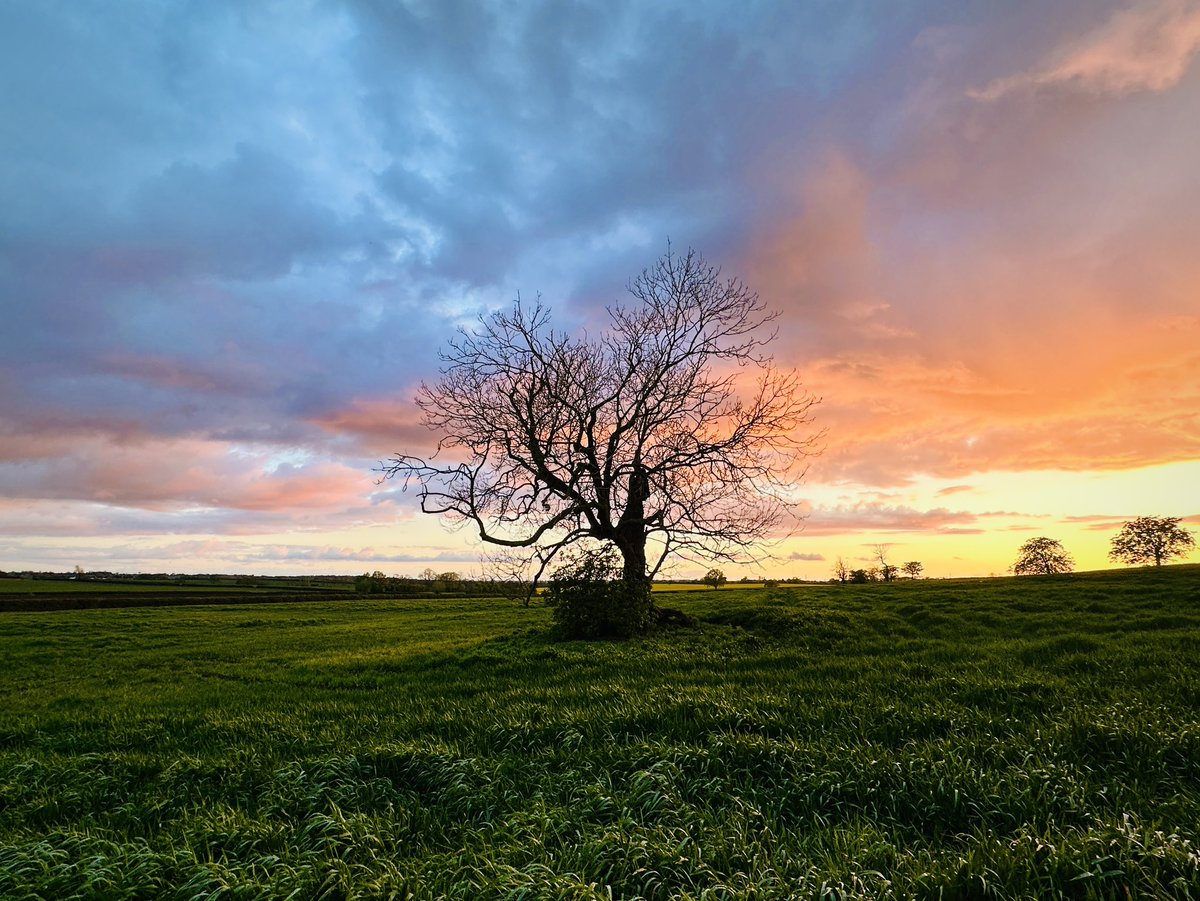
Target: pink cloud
47,434
840,520
381,426
173,474
1147,47
168,372
954,489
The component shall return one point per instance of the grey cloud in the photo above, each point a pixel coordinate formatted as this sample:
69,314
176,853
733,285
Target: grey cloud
546,125
226,223
245,218
811,558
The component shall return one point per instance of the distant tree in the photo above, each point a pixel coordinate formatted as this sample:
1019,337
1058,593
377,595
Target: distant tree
1151,539
429,574
1042,556
913,569
371,583
841,571
714,577
669,432
449,577
860,576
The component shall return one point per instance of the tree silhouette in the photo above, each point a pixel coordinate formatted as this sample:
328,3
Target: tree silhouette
913,568
669,433
887,571
841,571
1151,539
714,577
1042,556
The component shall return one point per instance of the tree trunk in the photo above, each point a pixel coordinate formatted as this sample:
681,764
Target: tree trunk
632,546
630,539
637,611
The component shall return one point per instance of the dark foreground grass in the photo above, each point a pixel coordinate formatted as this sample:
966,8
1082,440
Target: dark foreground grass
1000,739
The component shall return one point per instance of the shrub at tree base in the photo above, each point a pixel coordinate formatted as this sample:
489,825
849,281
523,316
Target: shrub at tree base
589,599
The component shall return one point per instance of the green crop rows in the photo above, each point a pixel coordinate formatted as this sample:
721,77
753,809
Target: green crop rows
997,739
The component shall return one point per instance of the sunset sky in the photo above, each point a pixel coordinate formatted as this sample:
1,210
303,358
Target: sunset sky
233,236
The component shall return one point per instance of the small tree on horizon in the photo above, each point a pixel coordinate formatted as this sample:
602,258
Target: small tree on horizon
913,568
715,578
887,571
1043,556
841,571
1151,539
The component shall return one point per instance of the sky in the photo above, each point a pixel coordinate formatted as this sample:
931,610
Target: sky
234,235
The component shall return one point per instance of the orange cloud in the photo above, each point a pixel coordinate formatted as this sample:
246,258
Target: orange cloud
1057,331
882,430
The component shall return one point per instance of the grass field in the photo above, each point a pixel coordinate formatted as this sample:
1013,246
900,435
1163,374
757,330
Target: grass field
700,586
1030,738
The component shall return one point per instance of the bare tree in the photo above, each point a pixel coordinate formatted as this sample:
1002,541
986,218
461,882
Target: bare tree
841,571
1151,539
1043,556
887,571
648,434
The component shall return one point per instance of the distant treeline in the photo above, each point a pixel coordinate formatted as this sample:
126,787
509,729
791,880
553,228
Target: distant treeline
443,584
191,580
33,591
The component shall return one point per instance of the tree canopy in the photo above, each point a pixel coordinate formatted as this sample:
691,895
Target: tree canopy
1151,539
671,432
1043,556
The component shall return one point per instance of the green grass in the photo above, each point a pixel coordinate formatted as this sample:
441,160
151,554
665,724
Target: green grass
1031,738
701,586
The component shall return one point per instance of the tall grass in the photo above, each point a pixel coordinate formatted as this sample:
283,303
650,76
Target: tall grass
1030,738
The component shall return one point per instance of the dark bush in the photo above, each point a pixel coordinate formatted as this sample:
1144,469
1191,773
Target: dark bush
589,599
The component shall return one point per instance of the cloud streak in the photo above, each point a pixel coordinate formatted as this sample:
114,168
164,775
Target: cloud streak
1147,47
